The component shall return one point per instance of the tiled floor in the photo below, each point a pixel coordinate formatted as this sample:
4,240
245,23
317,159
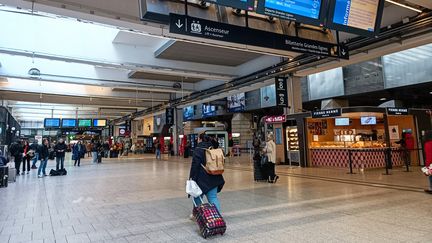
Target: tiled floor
142,200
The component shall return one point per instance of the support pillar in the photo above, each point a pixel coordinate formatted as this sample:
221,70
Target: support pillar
241,123
295,102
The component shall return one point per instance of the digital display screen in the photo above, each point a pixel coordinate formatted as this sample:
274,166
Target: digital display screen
342,121
52,122
239,4
368,120
362,17
69,123
188,113
236,102
208,110
99,123
302,11
84,123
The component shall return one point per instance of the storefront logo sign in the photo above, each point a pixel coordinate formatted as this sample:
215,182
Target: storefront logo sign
397,111
327,113
275,119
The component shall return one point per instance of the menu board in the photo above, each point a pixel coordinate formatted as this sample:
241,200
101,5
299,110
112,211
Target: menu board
239,4
52,122
356,16
99,123
302,11
69,123
84,123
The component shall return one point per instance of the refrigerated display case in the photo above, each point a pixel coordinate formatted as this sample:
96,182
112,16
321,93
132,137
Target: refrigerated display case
292,144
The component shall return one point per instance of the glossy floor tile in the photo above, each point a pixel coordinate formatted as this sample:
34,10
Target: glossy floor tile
143,200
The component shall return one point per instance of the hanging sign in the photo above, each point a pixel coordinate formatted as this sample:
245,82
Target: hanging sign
281,91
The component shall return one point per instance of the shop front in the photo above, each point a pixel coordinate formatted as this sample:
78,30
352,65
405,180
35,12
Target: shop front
361,137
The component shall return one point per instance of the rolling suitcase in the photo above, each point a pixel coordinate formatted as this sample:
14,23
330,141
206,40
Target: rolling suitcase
12,175
209,220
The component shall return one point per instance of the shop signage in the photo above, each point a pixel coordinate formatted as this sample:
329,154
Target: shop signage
397,111
169,116
327,113
202,28
281,91
275,119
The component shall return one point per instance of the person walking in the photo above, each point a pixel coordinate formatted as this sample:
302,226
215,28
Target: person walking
270,152
17,150
60,149
210,185
44,152
77,151
26,158
158,149
428,153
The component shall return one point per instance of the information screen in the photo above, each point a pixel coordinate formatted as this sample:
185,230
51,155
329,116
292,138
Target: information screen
208,110
236,102
368,120
342,121
84,123
52,122
361,15
69,123
302,11
99,123
188,113
240,4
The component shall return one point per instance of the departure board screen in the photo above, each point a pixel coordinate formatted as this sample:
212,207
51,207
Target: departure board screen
69,123
99,123
356,16
52,122
84,123
302,11
239,4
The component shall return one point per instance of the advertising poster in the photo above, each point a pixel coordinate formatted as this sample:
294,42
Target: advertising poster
188,113
268,96
236,103
394,132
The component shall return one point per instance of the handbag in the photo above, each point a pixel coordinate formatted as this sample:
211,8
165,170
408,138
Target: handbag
427,171
192,188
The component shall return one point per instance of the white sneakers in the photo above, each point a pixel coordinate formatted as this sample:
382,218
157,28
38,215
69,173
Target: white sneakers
191,217
40,176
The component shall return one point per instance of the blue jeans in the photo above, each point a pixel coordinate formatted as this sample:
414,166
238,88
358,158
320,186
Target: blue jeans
94,157
42,166
158,154
211,198
35,159
430,182
60,162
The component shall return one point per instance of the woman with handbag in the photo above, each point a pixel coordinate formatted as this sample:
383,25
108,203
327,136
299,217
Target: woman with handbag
210,185
270,152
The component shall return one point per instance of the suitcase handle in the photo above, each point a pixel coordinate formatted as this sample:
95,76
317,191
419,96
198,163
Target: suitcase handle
194,200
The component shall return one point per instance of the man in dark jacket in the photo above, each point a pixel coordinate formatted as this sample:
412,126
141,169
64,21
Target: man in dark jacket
36,148
210,185
17,150
60,149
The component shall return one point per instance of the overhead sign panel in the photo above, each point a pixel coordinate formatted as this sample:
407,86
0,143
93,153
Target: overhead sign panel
362,17
196,27
52,122
239,4
303,11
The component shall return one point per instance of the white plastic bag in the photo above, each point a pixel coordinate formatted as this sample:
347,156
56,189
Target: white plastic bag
427,171
192,188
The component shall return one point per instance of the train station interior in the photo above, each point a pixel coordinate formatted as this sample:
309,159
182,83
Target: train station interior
296,120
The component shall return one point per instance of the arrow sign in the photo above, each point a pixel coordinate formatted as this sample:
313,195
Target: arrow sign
179,24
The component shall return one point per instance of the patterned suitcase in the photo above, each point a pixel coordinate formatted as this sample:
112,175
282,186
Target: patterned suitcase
209,220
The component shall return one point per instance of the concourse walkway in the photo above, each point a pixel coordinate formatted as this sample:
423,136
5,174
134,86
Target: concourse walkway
143,200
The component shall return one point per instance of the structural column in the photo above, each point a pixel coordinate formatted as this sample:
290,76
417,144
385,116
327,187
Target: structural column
295,101
241,123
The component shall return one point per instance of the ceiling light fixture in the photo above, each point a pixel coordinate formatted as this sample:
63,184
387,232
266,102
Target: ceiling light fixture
383,99
404,6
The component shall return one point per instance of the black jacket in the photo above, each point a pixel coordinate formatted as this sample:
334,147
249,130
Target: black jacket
205,181
43,152
59,147
16,149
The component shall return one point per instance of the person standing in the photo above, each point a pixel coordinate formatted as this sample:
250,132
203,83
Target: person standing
77,151
210,185
230,147
428,161
95,150
187,149
36,148
158,149
44,156
17,150
60,149
89,149
270,151
26,158
106,148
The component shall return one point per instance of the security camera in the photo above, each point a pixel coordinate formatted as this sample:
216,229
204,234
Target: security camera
34,72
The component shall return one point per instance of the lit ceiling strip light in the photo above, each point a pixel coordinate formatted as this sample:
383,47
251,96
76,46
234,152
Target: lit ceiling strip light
404,6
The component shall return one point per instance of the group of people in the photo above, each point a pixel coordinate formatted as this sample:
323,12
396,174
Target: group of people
24,153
